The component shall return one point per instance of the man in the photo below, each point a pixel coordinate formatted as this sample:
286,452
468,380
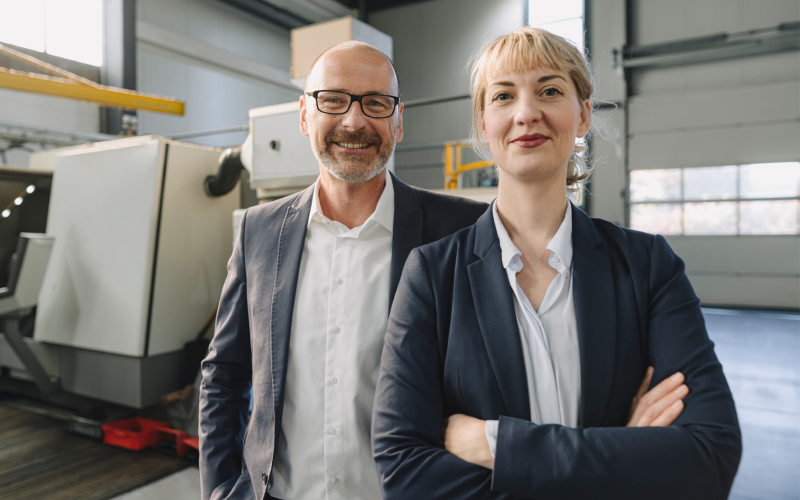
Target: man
304,309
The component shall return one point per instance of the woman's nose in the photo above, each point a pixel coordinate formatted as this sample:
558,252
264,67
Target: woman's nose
528,111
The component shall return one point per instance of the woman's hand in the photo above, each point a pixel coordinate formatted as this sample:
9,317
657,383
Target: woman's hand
660,406
465,437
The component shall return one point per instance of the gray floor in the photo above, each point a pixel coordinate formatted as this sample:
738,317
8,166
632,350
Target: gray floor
760,353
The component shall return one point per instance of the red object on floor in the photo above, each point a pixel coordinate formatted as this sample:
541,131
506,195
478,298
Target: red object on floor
162,435
135,433
192,442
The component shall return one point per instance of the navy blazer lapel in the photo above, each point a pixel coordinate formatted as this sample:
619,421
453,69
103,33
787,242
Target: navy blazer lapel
494,307
595,312
406,231
289,252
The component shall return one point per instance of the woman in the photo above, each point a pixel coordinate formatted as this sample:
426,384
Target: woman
531,329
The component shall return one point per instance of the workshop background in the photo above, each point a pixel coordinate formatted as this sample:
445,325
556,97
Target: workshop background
174,115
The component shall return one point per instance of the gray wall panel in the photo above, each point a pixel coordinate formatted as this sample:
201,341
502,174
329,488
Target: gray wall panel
746,291
658,21
774,142
773,255
720,107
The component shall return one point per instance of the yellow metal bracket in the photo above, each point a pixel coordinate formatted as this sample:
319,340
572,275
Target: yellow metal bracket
72,86
453,167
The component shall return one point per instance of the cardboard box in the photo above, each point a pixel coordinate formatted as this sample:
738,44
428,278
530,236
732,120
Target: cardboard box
309,42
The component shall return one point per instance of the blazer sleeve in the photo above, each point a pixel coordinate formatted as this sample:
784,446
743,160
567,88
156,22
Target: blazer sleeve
694,458
408,409
227,376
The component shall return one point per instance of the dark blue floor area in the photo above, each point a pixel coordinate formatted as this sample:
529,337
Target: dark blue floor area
760,354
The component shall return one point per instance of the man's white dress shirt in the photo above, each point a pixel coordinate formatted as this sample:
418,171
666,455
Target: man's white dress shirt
340,317
549,336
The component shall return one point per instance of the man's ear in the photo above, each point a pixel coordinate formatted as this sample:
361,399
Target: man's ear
399,134
303,116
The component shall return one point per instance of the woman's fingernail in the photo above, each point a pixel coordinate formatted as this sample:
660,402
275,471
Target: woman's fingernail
682,390
677,404
676,377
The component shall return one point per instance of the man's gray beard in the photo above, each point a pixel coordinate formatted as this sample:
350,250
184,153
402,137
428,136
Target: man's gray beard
353,169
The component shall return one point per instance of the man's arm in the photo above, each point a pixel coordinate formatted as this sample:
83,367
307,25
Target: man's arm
697,457
227,376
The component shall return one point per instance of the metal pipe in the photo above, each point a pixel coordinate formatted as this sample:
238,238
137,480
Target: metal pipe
434,100
225,130
230,167
88,137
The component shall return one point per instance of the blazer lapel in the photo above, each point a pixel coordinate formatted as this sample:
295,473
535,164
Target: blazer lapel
494,307
289,252
406,232
595,312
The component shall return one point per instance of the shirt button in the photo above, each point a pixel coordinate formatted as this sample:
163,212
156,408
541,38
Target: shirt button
339,281
336,329
334,480
333,380
332,432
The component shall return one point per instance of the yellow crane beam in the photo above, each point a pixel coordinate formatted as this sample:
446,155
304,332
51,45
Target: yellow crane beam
72,86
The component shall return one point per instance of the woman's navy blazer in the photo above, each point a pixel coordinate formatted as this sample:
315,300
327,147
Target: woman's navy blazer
453,346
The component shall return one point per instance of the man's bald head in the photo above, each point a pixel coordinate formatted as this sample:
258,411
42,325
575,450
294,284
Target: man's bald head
349,46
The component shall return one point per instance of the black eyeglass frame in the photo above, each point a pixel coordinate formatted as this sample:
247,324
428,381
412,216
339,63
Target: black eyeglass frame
354,98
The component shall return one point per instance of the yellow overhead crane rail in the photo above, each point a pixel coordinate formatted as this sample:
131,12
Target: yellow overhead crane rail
72,86
453,166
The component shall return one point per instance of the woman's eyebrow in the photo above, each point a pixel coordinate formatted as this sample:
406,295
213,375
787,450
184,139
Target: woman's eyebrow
550,77
502,84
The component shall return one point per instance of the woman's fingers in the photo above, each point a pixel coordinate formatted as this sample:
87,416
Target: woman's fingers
668,415
654,410
650,405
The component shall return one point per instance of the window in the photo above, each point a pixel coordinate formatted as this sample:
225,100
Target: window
761,198
564,18
72,29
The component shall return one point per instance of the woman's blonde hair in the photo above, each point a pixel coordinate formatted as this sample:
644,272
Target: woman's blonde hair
523,50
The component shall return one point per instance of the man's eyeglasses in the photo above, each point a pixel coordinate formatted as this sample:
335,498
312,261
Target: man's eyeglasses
338,103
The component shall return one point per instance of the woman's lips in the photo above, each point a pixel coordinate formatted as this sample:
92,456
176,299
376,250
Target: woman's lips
530,140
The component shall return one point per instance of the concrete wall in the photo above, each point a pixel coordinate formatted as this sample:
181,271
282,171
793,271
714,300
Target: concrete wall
221,61
433,42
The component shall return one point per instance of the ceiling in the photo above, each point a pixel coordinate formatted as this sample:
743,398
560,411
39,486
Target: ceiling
295,13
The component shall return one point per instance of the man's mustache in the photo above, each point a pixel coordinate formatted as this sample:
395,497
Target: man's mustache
358,137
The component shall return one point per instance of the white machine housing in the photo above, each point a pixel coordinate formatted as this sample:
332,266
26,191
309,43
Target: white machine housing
137,266
140,249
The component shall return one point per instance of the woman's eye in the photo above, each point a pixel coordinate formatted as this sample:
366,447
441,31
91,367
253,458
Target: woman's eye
503,96
552,92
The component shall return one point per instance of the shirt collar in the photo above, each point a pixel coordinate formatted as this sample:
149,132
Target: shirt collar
560,246
383,214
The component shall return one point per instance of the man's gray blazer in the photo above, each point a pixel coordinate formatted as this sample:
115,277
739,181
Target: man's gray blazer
251,342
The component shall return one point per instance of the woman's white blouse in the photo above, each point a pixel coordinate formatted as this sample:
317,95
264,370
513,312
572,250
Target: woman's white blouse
549,336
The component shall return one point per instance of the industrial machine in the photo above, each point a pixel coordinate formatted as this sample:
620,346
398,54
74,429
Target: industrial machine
137,264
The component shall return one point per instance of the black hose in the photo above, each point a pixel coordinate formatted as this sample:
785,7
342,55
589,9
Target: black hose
230,167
